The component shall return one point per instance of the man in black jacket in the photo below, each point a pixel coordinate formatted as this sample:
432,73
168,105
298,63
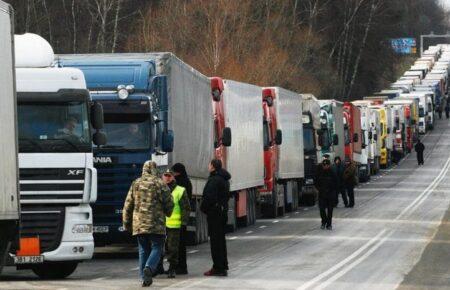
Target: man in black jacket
215,206
419,149
326,183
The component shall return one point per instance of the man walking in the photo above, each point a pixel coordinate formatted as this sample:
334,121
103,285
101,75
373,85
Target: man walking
215,206
326,183
182,179
350,179
179,217
147,204
419,148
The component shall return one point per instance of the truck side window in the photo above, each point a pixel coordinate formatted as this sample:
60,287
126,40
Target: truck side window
266,135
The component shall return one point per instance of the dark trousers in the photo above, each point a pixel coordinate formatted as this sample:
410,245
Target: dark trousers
341,191
182,264
326,206
351,195
216,230
173,241
420,158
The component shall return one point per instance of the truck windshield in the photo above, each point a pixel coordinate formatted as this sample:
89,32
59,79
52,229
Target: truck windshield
126,131
308,139
53,127
421,112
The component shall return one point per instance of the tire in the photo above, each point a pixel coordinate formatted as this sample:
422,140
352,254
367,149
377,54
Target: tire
55,270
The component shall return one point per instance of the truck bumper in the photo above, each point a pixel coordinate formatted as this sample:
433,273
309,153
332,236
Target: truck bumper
77,242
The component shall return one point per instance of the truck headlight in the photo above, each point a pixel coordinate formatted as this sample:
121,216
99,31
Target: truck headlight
82,229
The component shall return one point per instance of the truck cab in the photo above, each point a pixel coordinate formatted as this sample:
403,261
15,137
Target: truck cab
331,137
58,181
352,126
366,139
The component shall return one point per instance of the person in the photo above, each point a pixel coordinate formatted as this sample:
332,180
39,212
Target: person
419,148
215,206
447,111
350,180
338,169
183,180
134,137
326,182
179,217
68,131
147,204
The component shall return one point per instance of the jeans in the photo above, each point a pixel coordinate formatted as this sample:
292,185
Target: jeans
150,251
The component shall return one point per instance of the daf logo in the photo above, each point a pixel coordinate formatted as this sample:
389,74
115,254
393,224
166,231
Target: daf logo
75,172
103,160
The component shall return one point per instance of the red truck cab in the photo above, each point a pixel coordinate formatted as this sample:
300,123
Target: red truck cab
409,133
272,138
352,132
219,120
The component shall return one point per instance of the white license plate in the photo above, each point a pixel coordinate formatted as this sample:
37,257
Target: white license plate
101,229
28,259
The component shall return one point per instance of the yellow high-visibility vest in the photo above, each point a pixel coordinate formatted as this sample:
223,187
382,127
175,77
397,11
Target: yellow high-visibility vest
174,221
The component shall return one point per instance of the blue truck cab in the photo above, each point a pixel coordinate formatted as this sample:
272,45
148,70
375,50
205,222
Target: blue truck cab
134,99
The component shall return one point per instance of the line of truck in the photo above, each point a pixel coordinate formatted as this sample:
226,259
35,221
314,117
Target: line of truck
86,123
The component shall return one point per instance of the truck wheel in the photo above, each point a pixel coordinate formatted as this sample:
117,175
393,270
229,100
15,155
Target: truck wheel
55,270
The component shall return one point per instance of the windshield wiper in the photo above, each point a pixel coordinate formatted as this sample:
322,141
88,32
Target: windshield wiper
32,142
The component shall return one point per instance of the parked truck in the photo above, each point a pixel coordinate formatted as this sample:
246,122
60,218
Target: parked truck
57,178
366,138
331,137
283,161
352,136
238,142
311,127
9,171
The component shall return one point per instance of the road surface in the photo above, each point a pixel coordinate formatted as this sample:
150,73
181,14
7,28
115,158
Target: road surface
396,237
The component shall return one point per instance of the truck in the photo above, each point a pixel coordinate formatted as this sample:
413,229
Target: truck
283,150
9,170
170,105
352,133
58,181
375,141
384,134
404,117
331,137
366,138
423,109
311,127
238,142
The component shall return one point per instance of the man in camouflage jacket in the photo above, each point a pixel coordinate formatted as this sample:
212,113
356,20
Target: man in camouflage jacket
148,203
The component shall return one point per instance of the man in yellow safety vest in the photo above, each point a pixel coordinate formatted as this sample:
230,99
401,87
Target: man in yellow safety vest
179,217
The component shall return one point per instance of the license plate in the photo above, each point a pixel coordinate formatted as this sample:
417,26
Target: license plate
101,229
28,259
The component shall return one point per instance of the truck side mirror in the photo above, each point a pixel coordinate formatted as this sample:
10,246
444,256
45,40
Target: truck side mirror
279,137
389,130
375,137
370,136
355,138
335,139
99,138
97,120
226,137
363,146
167,141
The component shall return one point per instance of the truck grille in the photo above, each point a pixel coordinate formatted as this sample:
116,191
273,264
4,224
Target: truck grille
114,182
310,167
45,222
54,185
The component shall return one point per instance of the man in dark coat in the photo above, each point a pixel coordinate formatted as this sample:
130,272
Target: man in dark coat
183,180
215,206
419,149
326,183
350,180
338,169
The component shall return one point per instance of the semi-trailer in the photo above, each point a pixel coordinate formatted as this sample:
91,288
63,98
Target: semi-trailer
9,170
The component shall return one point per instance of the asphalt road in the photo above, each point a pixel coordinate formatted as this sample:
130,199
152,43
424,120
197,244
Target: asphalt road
397,236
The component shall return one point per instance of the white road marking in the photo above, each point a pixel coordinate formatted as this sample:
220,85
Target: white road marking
193,252
232,238
262,227
276,221
249,232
